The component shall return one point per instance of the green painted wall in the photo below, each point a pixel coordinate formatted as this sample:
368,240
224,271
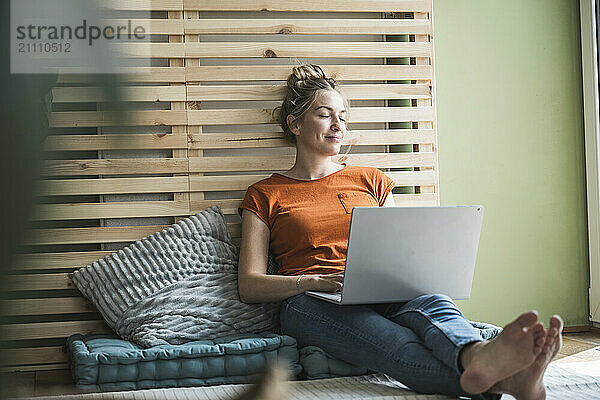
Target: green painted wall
511,138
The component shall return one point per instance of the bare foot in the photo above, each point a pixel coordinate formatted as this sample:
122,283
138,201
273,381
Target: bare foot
487,363
528,384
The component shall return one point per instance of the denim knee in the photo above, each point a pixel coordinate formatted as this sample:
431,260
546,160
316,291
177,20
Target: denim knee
430,300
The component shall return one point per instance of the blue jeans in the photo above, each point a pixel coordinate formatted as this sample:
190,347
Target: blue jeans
416,342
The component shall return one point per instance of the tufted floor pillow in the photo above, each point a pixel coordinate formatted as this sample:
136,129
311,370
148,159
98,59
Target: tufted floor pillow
103,363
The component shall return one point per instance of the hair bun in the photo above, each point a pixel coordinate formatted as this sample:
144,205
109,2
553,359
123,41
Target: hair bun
303,73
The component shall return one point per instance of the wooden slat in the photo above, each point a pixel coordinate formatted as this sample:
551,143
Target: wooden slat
238,140
99,94
280,73
386,91
279,163
389,136
77,119
178,62
90,235
297,26
150,50
427,199
132,209
241,182
37,368
131,74
113,234
62,187
153,26
277,92
46,381
33,355
39,282
306,49
115,167
113,142
144,5
47,330
412,178
59,305
390,114
231,117
223,183
257,73
228,206
325,26
426,38
307,5
273,49
357,137
267,116
74,259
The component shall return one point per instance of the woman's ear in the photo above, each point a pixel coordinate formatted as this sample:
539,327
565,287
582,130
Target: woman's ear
293,124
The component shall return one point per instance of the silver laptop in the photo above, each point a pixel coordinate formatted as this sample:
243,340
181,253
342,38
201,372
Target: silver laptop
399,253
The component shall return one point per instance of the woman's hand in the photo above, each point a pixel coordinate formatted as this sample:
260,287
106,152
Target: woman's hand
322,283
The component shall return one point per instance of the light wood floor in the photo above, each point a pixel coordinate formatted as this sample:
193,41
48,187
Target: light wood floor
577,347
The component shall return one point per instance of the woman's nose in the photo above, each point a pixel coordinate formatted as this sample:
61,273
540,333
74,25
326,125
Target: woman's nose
336,122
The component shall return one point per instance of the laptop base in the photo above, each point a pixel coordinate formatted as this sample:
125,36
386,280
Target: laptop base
331,297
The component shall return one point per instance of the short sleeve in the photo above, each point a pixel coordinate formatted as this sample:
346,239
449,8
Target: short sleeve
257,202
382,186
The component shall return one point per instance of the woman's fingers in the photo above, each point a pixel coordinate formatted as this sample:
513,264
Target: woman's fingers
331,283
336,281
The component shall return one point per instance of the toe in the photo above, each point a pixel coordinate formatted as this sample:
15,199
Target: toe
538,328
538,331
540,341
551,335
527,319
556,322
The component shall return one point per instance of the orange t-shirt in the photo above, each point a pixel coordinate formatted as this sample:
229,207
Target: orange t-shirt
309,220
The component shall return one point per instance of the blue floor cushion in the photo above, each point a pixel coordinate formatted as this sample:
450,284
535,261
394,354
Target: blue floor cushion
104,363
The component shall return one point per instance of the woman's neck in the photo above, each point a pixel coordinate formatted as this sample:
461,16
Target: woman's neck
312,167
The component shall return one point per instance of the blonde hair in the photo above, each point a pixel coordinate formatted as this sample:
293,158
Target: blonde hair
303,85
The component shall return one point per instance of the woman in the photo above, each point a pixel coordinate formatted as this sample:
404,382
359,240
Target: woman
303,216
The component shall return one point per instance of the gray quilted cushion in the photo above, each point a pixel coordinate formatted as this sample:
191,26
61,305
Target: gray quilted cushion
175,286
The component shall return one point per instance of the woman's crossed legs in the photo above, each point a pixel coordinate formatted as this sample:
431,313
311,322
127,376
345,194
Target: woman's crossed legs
421,343
372,337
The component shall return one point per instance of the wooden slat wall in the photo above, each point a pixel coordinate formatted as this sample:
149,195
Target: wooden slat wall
200,131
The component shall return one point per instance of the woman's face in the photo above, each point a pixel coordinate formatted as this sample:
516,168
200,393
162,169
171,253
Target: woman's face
323,127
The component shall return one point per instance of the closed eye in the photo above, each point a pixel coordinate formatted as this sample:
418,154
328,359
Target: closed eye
327,116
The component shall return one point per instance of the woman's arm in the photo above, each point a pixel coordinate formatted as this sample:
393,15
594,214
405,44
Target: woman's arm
254,285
